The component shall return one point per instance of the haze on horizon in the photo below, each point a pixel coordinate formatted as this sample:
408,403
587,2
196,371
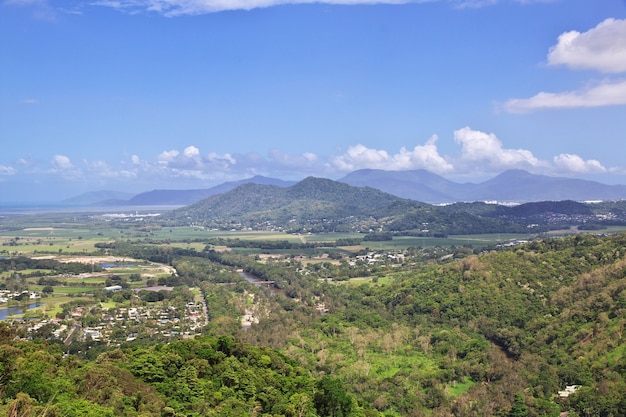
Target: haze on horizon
135,95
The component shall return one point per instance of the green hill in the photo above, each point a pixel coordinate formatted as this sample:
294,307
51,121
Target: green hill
317,204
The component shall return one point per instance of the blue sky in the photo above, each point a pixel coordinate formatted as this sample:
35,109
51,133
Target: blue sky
135,95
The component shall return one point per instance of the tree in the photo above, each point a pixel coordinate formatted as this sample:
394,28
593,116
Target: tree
518,409
331,398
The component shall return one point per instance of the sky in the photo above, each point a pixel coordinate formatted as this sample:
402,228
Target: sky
136,95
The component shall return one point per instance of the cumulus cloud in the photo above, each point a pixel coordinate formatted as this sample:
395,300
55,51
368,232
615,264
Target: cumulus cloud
421,156
61,162
167,156
191,162
605,94
103,170
602,48
478,154
485,150
302,161
191,152
574,164
62,165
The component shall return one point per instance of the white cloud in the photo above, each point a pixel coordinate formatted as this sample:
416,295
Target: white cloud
61,162
574,164
6,171
535,1
602,48
605,94
216,159
62,165
474,4
196,7
25,2
103,170
303,162
166,157
422,156
485,150
191,152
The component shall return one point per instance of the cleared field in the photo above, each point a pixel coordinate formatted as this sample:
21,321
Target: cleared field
74,239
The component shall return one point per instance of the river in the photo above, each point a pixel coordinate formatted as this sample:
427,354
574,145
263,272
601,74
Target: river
259,282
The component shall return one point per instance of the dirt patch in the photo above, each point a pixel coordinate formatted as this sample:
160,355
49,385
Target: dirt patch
97,259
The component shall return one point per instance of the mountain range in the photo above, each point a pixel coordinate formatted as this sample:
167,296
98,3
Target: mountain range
169,197
511,186
323,205
516,186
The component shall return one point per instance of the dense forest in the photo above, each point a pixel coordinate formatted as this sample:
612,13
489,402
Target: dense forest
493,334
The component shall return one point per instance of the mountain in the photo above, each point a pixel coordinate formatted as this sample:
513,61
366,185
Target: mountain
186,197
94,197
312,199
519,185
318,204
420,185
513,185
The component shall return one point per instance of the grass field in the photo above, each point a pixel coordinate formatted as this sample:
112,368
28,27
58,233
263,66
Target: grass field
62,236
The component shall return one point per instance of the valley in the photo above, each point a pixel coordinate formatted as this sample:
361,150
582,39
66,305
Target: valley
397,325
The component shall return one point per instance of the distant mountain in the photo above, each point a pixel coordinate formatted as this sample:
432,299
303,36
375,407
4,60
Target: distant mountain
94,197
513,185
186,197
420,185
522,186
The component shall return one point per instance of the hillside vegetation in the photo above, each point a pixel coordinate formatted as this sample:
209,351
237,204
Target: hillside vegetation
499,333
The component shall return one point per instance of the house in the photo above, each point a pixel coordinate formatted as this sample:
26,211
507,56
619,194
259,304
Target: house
569,390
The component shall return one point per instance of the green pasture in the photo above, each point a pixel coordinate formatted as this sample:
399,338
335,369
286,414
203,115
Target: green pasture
197,246
25,272
47,244
108,305
460,388
81,240
88,280
403,242
75,290
361,280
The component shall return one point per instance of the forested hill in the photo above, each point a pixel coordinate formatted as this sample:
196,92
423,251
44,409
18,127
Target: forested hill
523,323
311,198
317,204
